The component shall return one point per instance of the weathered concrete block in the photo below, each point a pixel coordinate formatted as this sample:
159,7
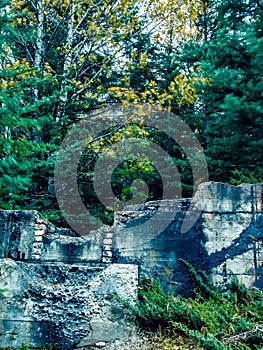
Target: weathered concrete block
103,331
213,197
220,229
64,304
230,218
17,232
17,332
70,249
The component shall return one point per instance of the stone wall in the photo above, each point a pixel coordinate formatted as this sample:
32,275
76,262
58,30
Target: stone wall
65,290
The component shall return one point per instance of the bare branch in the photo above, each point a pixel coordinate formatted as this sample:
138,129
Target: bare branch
244,336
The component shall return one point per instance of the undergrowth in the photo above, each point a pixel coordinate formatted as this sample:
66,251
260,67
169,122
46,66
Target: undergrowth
26,347
225,319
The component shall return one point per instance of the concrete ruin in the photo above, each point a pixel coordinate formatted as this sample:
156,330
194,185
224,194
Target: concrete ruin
61,289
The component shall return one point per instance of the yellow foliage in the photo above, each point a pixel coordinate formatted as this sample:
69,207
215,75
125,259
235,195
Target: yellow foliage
102,28
143,60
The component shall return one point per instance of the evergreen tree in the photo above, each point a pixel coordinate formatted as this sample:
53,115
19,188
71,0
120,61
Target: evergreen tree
230,103
15,122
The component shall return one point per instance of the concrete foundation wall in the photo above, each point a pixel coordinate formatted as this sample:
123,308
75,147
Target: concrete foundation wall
65,290
226,239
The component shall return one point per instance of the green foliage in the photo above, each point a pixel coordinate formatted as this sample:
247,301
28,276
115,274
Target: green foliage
247,176
208,71
131,171
211,319
230,96
26,347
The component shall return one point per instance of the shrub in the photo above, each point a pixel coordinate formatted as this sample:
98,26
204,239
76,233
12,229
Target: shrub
213,319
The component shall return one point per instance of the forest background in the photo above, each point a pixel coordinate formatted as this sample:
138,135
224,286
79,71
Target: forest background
63,59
